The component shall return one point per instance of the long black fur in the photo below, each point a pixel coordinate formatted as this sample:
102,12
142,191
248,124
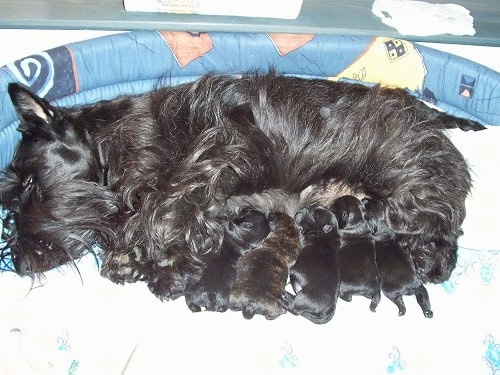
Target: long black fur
156,167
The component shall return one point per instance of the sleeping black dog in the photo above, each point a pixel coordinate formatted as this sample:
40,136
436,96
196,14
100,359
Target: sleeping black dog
398,276
357,265
242,234
315,276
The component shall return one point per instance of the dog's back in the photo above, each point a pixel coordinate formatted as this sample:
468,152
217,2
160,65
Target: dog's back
262,273
315,275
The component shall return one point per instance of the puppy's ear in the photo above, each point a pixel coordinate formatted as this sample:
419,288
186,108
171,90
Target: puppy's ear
36,113
299,216
273,220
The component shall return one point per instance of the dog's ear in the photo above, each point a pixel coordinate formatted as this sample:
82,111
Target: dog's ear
36,113
299,216
273,221
242,114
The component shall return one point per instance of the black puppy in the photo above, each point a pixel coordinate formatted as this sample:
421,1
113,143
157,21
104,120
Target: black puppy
315,276
398,277
241,235
358,269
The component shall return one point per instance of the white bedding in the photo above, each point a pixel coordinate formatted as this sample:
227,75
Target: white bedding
75,323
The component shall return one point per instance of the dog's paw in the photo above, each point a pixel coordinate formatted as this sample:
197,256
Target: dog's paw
346,297
271,308
166,285
198,299
302,305
288,301
428,314
121,269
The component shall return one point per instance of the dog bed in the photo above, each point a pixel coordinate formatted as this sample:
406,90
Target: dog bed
76,322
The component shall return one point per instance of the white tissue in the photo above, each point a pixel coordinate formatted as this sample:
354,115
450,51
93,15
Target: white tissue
422,19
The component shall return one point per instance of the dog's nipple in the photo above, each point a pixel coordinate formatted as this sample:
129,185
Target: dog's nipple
325,112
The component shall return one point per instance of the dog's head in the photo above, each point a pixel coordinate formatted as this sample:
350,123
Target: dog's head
248,228
36,189
351,216
316,220
375,213
349,210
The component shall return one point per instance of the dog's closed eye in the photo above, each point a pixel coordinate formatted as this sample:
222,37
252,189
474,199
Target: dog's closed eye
327,228
247,225
28,182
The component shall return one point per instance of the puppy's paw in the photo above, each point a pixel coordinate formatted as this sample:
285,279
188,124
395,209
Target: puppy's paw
269,307
288,301
198,298
428,314
346,297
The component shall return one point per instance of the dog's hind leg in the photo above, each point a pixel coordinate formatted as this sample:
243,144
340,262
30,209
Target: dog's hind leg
424,302
289,302
375,300
397,298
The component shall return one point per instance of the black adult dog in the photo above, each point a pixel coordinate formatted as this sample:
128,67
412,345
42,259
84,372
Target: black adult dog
242,234
357,259
141,175
397,272
315,276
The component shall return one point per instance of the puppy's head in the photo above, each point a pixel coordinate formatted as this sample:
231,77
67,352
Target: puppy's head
375,213
53,150
316,220
350,212
248,228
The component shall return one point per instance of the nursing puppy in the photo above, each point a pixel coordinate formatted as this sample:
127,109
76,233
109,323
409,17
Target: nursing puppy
141,175
357,259
315,276
398,277
242,234
262,273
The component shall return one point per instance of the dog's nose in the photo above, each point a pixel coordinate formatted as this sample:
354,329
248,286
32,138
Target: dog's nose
22,265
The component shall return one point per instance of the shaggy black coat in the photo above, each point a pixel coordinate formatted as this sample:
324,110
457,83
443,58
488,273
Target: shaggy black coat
141,176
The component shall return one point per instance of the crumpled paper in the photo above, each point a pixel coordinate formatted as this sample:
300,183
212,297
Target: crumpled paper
420,18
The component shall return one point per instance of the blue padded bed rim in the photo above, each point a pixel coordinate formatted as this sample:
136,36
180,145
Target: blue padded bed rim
134,62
